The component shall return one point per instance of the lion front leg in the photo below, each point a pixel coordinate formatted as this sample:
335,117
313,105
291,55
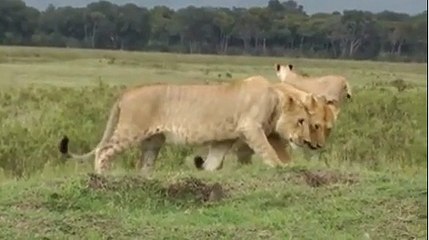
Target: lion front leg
281,148
244,152
258,142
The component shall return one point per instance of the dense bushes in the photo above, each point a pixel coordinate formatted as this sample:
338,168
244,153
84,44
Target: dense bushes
380,125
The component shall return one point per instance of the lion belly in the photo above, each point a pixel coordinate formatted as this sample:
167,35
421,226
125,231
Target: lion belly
198,134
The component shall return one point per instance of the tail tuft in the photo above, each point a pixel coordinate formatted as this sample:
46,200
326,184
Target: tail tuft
198,161
64,145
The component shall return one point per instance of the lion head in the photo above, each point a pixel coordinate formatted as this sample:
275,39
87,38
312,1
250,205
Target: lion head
293,123
323,115
282,71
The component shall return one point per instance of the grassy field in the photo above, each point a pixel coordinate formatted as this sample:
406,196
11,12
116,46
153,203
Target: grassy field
369,182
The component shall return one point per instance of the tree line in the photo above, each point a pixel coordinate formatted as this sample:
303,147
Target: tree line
277,29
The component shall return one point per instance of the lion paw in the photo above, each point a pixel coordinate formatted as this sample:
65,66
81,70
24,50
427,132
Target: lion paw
270,164
283,165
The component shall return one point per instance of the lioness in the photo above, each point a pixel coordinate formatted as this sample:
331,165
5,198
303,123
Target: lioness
333,87
323,113
322,118
215,115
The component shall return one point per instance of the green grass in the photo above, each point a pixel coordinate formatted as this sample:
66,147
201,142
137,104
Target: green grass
369,182
71,67
259,204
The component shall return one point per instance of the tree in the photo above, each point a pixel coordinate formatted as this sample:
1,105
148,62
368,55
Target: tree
245,27
17,22
132,27
354,28
224,24
161,18
100,24
280,27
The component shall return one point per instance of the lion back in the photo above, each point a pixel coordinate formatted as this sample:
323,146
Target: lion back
197,113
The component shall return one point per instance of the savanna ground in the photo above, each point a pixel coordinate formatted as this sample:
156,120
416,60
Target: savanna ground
369,182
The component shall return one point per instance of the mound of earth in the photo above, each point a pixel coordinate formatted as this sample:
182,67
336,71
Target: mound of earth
184,189
318,178
202,192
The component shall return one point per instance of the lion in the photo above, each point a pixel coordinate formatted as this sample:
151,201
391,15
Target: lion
213,115
333,87
323,115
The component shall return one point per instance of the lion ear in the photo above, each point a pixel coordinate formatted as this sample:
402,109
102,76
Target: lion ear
332,102
291,101
333,110
277,67
310,100
290,66
323,99
313,101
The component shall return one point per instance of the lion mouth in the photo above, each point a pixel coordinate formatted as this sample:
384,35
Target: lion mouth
312,147
309,145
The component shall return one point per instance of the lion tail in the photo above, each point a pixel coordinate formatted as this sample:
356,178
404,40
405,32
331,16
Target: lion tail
110,126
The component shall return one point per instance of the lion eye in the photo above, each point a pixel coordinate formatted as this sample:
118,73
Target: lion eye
316,126
301,121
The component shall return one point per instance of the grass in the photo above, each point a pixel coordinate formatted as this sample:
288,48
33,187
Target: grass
369,182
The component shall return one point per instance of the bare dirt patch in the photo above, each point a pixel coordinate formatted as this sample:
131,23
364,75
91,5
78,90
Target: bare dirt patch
202,192
187,189
319,178
99,182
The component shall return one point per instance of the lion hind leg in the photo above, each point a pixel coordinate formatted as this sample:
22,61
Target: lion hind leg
116,144
200,155
216,155
149,152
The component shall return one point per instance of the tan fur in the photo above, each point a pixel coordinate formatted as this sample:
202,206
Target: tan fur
215,115
322,118
323,113
333,87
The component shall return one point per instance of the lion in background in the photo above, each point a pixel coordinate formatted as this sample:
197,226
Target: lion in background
213,115
333,87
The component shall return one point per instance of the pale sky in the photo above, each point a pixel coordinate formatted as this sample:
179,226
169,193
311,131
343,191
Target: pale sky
310,6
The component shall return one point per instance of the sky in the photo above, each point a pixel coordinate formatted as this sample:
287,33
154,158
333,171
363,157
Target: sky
310,6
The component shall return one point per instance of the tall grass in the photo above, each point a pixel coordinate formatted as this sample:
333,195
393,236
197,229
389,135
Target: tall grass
374,185
380,127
